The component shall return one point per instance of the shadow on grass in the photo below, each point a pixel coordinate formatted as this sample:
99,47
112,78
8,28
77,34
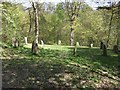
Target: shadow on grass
21,73
29,74
94,56
52,69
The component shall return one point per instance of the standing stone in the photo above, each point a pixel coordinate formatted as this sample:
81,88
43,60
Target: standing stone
75,48
42,43
14,42
77,44
59,42
26,40
91,45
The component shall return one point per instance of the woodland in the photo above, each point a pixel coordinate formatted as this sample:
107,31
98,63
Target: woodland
63,46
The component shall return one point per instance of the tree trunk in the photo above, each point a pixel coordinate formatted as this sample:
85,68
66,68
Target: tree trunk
101,45
118,43
72,34
104,50
55,34
57,37
118,38
35,42
72,9
36,27
110,23
115,49
34,48
30,25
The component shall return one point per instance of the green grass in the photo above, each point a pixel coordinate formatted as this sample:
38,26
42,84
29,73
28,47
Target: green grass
57,67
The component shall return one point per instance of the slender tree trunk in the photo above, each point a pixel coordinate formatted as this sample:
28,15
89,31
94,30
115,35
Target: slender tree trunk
104,48
55,34
71,34
118,38
35,42
57,37
72,9
30,25
109,28
118,43
36,27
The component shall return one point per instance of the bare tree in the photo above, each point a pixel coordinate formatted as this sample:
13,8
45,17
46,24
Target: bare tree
72,9
35,42
110,8
113,9
110,23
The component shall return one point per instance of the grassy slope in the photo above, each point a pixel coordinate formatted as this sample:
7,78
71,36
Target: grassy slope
55,66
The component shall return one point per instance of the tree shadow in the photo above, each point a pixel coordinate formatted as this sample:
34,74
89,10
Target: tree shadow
21,73
94,55
51,69
42,75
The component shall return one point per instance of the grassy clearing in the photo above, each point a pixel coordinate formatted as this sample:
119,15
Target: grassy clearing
56,67
55,47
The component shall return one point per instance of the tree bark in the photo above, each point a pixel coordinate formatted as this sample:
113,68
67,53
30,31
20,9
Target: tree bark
110,23
118,38
72,8
34,48
35,42
101,45
36,26
104,50
71,34
30,25
115,49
